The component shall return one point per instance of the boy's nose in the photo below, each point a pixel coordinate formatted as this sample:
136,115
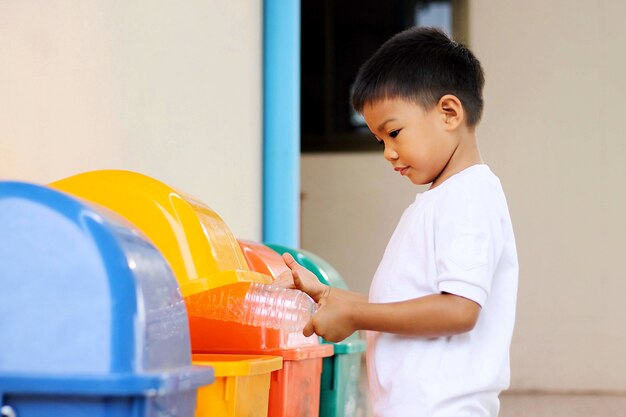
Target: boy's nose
390,153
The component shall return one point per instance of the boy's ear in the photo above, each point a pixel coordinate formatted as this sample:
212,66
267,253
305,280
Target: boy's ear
451,110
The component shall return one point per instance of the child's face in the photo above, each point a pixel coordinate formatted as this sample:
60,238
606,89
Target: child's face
416,140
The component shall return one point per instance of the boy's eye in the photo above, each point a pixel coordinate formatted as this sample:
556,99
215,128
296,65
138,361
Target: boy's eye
394,134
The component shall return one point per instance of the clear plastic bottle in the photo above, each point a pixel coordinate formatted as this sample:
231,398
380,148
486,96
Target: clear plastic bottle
254,304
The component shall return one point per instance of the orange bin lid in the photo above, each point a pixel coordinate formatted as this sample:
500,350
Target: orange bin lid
303,353
263,259
216,336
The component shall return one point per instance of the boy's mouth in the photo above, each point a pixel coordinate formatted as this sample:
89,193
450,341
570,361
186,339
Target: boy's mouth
401,170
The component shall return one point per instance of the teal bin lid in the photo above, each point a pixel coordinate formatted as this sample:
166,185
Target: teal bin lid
353,344
90,304
328,276
322,269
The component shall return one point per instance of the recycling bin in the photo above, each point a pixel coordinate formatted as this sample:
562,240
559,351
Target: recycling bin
241,387
339,387
341,372
205,255
93,322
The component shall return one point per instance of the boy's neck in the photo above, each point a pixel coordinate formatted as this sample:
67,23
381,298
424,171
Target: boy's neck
464,156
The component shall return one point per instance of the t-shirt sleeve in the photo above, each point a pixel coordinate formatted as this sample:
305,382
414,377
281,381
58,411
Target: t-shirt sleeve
467,245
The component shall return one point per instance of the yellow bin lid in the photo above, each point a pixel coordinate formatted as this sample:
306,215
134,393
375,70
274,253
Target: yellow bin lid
200,248
238,365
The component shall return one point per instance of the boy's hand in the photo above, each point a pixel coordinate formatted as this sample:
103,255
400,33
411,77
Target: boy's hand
301,278
333,321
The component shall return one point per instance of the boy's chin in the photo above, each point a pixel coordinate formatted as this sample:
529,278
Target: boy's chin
417,180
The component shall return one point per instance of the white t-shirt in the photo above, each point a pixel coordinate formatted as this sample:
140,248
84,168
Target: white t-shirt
456,238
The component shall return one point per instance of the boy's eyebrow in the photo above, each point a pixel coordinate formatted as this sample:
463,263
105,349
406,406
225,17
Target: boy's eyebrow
384,123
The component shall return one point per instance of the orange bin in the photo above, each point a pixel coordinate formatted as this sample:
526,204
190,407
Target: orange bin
295,389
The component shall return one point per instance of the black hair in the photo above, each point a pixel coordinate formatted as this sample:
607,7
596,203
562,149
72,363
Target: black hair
422,65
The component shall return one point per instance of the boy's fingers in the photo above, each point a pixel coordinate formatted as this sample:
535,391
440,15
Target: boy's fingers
297,282
286,276
284,281
309,329
322,302
290,261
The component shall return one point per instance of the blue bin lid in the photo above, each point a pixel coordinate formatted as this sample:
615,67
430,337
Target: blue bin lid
86,297
113,384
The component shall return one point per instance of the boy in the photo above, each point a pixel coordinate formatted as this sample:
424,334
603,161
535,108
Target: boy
441,307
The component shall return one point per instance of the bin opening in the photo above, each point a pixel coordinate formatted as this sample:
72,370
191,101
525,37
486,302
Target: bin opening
254,304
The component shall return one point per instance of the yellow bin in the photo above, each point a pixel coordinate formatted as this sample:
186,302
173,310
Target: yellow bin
241,387
200,248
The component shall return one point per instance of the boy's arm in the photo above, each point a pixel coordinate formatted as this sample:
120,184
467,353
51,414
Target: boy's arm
343,312
430,316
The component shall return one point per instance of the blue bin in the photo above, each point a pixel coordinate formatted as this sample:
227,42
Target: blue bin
92,322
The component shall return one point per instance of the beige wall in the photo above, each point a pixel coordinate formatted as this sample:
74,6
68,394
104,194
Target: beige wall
170,89
554,132
350,206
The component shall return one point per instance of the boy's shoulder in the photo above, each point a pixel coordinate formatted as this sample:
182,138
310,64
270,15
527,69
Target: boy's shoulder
474,183
471,196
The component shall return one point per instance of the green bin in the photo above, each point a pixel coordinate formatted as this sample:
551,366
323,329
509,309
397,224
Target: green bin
341,372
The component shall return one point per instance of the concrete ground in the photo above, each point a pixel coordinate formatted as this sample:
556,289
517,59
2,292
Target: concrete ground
547,405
